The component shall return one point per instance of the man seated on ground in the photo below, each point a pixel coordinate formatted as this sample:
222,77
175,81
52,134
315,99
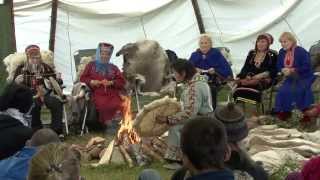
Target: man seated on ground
204,149
55,161
239,162
15,106
16,167
33,74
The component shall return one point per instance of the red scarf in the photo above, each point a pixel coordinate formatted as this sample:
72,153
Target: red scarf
289,58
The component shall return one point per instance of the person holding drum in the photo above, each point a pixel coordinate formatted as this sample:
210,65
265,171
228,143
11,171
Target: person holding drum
195,100
34,74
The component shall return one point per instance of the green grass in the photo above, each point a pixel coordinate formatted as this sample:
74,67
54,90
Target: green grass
283,171
120,172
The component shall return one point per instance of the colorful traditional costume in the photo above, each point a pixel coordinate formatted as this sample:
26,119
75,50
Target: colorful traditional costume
106,98
252,88
196,100
296,88
212,59
33,77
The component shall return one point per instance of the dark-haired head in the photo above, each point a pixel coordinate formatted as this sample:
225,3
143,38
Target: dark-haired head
204,143
16,96
262,43
184,70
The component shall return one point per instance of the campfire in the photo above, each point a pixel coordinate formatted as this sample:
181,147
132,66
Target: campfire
128,147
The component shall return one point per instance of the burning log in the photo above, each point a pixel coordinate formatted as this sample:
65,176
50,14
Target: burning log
127,142
126,134
126,155
148,150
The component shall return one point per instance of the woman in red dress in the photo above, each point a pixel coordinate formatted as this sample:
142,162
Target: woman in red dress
106,82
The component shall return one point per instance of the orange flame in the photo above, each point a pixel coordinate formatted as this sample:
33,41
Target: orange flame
126,134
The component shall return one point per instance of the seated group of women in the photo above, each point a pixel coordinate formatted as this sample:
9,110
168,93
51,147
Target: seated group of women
260,70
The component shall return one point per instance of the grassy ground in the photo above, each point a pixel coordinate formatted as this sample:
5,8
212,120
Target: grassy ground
123,172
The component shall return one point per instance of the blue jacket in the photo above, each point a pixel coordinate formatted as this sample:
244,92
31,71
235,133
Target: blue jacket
213,59
16,167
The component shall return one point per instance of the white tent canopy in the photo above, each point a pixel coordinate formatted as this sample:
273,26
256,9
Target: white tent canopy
81,24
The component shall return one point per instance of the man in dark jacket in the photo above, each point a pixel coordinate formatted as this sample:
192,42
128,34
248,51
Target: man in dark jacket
15,105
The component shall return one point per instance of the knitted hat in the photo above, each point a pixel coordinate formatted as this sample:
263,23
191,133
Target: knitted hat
16,96
233,119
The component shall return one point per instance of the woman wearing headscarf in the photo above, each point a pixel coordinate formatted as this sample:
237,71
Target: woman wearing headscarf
258,71
106,82
294,63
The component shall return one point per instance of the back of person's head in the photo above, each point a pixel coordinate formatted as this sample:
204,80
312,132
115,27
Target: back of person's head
204,143
55,161
149,174
233,118
43,137
182,65
17,97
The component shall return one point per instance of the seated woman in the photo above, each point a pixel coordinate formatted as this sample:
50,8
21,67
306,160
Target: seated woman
195,99
211,62
294,63
258,71
106,82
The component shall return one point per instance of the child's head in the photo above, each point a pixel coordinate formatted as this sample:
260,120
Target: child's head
55,161
203,144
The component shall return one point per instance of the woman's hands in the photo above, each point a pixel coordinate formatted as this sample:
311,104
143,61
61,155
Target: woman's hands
287,71
97,83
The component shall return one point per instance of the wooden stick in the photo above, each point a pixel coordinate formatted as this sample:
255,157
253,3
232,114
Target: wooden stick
107,155
126,155
151,153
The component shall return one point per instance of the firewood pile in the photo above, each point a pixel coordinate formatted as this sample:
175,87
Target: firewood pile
127,147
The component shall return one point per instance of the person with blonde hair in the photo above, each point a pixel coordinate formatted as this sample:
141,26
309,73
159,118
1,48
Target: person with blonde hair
295,91
56,161
211,62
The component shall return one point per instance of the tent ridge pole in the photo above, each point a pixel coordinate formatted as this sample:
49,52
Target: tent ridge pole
13,39
197,12
53,25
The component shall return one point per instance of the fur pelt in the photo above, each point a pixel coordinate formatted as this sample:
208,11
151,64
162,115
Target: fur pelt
145,58
12,61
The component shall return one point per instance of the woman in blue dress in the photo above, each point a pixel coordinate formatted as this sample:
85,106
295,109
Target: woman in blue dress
294,63
210,61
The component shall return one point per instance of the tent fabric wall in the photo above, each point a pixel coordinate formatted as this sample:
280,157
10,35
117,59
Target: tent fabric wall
81,24
32,23
7,45
173,25
236,24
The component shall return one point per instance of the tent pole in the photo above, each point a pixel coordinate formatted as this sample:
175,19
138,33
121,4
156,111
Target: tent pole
13,39
54,10
197,12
